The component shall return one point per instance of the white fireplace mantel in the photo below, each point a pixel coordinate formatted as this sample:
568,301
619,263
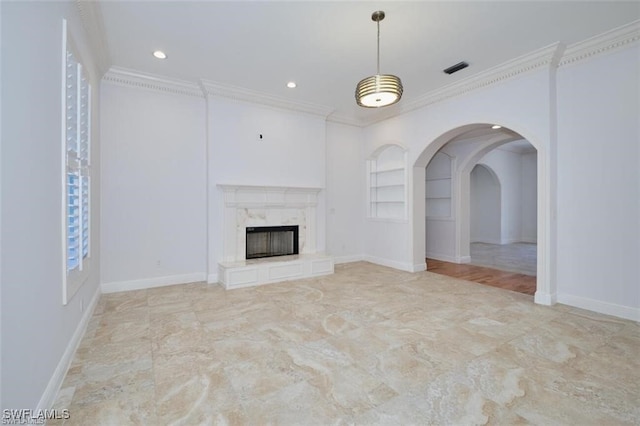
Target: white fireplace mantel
245,196
249,206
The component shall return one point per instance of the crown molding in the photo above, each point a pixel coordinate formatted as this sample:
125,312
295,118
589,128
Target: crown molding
241,94
337,117
247,95
545,57
603,43
554,55
93,23
130,78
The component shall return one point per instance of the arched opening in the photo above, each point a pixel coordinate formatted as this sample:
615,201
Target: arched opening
481,139
485,206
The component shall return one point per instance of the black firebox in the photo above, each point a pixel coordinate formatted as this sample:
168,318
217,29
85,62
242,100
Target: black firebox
268,241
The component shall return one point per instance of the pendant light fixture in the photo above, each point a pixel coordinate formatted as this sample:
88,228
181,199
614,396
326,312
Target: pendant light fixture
381,89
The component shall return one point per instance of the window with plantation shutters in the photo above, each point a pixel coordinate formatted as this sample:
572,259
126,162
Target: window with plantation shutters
77,172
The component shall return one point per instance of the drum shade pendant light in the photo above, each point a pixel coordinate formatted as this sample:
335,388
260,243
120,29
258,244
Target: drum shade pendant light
381,89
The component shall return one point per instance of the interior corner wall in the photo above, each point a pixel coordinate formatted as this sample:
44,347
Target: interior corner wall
485,206
154,188
38,331
507,167
599,183
291,153
345,192
529,191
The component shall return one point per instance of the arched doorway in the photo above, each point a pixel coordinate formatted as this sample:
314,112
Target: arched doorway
545,293
485,205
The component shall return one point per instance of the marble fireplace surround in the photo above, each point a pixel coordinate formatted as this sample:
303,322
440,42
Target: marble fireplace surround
247,206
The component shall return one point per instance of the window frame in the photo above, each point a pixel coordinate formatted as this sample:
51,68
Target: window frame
75,161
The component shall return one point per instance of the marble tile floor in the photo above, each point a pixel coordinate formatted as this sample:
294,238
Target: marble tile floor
514,257
368,345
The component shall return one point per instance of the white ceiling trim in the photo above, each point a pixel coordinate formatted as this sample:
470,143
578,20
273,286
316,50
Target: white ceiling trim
241,94
604,43
131,78
547,56
345,119
551,56
93,23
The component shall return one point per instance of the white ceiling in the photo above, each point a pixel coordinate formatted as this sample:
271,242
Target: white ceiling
327,47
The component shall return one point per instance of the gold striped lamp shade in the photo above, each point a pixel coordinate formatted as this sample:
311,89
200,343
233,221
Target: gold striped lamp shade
378,91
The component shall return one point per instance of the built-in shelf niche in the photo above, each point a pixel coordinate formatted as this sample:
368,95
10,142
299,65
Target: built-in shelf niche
438,186
387,183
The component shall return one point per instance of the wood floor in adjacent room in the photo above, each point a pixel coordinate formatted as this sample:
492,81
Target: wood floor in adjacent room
488,276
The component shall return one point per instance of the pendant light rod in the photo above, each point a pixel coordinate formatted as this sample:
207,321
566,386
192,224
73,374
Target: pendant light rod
377,17
378,62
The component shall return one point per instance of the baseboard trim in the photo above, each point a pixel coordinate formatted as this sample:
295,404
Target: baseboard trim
348,259
532,240
463,259
212,279
419,267
488,241
547,299
442,257
117,286
51,391
390,263
620,311
511,241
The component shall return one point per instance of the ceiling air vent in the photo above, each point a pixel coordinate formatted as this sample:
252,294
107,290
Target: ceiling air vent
457,67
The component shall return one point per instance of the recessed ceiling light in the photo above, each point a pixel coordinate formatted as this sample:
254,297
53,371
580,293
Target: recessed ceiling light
496,126
159,54
291,85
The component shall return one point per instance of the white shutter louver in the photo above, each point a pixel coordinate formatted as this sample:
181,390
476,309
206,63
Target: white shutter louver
77,144
85,129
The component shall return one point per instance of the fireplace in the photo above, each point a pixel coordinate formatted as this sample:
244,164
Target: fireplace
269,241
248,209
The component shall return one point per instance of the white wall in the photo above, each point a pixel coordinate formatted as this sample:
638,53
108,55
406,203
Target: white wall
291,153
153,188
599,183
345,192
439,206
486,215
529,191
38,331
507,166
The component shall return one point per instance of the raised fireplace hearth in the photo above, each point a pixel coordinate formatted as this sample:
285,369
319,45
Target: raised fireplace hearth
271,241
